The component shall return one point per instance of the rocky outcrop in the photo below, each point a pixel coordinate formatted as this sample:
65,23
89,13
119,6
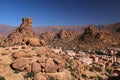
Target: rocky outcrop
22,33
66,34
25,60
48,36
49,66
34,42
91,34
23,54
94,38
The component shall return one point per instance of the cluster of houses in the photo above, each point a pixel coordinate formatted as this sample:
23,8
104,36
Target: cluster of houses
88,59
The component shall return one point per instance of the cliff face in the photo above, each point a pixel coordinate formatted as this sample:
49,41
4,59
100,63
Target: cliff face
22,34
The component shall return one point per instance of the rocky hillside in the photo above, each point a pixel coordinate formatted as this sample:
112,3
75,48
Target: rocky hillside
6,29
91,37
23,35
69,37
112,27
24,54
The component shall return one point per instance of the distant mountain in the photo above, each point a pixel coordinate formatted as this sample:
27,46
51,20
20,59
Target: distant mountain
40,29
6,29
112,27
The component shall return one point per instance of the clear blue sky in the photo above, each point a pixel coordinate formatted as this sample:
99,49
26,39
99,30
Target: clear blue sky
60,12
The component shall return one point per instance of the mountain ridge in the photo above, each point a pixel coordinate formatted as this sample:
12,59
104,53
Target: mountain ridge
6,29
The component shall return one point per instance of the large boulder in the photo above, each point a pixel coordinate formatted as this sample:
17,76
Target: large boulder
42,59
36,67
19,64
60,63
34,42
50,66
39,76
19,54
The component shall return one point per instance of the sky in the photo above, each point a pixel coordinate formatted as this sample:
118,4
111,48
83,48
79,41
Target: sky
60,12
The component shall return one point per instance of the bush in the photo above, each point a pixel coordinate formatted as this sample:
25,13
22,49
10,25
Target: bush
100,78
109,71
98,69
91,69
50,78
84,75
91,77
16,71
2,78
29,75
73,74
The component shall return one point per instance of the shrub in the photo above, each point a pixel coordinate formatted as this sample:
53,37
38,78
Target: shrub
2,78
91,77
16,71
34,48
50,78
98,69
109,71
84,75
29,75
99,78
91,69
73,74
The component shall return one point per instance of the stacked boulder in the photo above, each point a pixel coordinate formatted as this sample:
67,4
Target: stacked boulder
23,35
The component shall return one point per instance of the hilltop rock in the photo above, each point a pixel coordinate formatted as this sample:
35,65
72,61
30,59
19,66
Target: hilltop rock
91,34
48,36
93,38
66,34
23,35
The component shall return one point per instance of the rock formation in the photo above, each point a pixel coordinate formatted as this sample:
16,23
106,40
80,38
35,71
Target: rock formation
23,35
48,36
94,38
45,63
91,34
67,34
